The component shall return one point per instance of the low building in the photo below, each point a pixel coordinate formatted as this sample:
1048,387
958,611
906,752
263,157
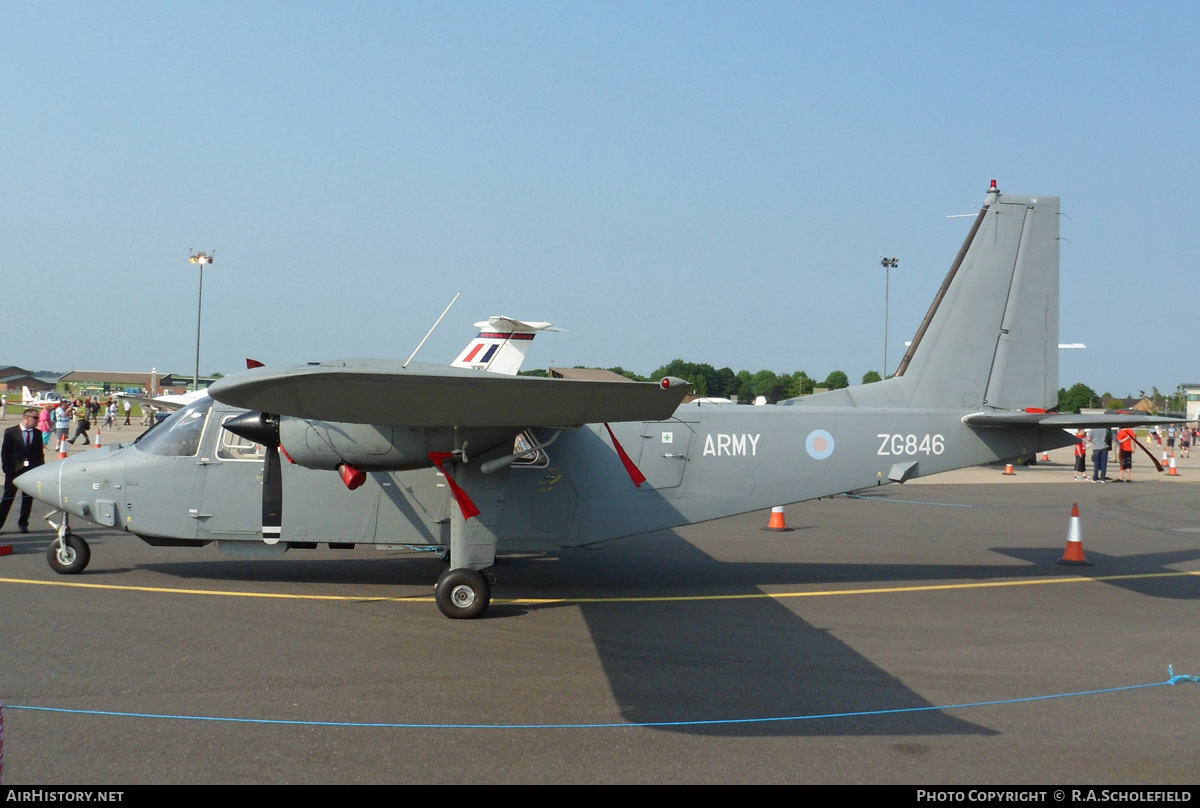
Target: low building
1192,391
587,374
13,378
104,382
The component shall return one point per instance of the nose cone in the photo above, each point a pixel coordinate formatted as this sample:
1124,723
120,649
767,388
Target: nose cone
41,482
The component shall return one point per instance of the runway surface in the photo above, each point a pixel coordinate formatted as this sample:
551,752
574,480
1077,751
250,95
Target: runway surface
869,606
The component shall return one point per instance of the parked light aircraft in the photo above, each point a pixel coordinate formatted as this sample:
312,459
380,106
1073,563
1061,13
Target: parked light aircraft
42,399
451,457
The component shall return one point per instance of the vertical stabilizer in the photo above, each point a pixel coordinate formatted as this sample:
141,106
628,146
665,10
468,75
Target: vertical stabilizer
501,345
991,335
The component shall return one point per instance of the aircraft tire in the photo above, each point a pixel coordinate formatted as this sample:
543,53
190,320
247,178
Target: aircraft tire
73,559
463,594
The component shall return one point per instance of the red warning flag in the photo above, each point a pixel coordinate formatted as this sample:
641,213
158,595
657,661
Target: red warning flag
460,496
635,473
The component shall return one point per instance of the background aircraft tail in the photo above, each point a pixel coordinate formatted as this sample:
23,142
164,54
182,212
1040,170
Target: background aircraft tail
501,345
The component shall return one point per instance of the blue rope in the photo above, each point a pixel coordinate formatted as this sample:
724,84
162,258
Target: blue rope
1177,678
1174,679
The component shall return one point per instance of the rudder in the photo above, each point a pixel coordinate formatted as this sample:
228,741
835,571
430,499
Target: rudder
991,335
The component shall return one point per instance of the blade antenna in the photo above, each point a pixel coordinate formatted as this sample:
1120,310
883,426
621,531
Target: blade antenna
435,325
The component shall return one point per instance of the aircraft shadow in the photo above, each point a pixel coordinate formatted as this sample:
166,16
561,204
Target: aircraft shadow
739,659
1181,587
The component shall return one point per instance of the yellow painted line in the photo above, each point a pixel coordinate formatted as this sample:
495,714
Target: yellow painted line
226,593
649,599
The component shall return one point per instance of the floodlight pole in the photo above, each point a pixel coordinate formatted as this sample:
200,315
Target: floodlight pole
201,259
888,264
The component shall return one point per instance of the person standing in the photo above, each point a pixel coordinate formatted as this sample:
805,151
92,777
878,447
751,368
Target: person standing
1185,441
1099,454
1125,440
1171,439
128,409
62,421
4,407
21,451
45,425
1080,455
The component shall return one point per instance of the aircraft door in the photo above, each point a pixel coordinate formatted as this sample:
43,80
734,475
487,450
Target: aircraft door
164,484
229,487
666,449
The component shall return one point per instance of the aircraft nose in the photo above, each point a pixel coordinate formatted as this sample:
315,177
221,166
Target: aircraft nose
42,483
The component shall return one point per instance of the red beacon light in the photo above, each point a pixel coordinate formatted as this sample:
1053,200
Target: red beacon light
668,382
993,188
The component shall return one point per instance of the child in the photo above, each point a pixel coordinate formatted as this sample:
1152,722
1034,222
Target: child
1081,455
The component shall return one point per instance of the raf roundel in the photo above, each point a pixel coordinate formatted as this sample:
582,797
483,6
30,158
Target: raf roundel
819,444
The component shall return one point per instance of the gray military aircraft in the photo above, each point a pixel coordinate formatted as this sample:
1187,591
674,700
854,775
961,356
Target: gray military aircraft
458,458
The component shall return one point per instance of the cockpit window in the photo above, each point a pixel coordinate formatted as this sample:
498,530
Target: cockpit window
179,435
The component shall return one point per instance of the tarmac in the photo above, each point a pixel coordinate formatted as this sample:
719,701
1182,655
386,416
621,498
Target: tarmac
912,635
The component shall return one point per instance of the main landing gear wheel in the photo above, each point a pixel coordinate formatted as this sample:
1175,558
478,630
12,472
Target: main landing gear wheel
463,594
70,556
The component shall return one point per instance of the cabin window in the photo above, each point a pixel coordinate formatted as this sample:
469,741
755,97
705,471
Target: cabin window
532,458
235,447
179,435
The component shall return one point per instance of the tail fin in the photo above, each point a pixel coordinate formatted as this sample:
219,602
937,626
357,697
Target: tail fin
991,335
501,345
26,395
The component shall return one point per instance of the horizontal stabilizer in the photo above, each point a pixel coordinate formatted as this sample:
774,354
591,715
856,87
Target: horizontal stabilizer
1065,421
382,392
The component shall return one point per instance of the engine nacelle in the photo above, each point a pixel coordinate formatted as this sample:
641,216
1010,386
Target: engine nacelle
379,447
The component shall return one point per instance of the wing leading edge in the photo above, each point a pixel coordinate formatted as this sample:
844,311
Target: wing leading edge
1062,421
382,392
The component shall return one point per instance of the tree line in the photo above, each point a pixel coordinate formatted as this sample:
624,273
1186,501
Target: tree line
746,386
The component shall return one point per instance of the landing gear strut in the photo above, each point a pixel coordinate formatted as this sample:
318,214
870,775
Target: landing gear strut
462,591
68,554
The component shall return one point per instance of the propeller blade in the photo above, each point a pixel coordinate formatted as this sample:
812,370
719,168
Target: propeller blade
263,428
272,500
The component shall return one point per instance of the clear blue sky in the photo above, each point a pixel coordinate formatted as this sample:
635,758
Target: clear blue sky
696,180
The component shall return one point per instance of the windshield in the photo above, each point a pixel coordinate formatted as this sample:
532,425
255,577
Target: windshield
179,435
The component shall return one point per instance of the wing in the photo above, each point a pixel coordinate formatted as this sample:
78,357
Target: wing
382,392
149,402
1064,421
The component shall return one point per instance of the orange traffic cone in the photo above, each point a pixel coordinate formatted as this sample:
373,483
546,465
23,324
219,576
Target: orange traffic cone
1045,457
1008,471
1171,472
778,523
1074,553
1166,459
96,443
62,448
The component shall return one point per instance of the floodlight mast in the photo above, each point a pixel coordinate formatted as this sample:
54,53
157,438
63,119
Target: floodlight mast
888,265
200,258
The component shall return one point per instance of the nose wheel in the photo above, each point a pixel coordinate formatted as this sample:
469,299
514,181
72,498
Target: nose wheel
68,554
463,594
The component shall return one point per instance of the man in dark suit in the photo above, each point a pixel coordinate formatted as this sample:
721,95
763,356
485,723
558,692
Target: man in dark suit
21,451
